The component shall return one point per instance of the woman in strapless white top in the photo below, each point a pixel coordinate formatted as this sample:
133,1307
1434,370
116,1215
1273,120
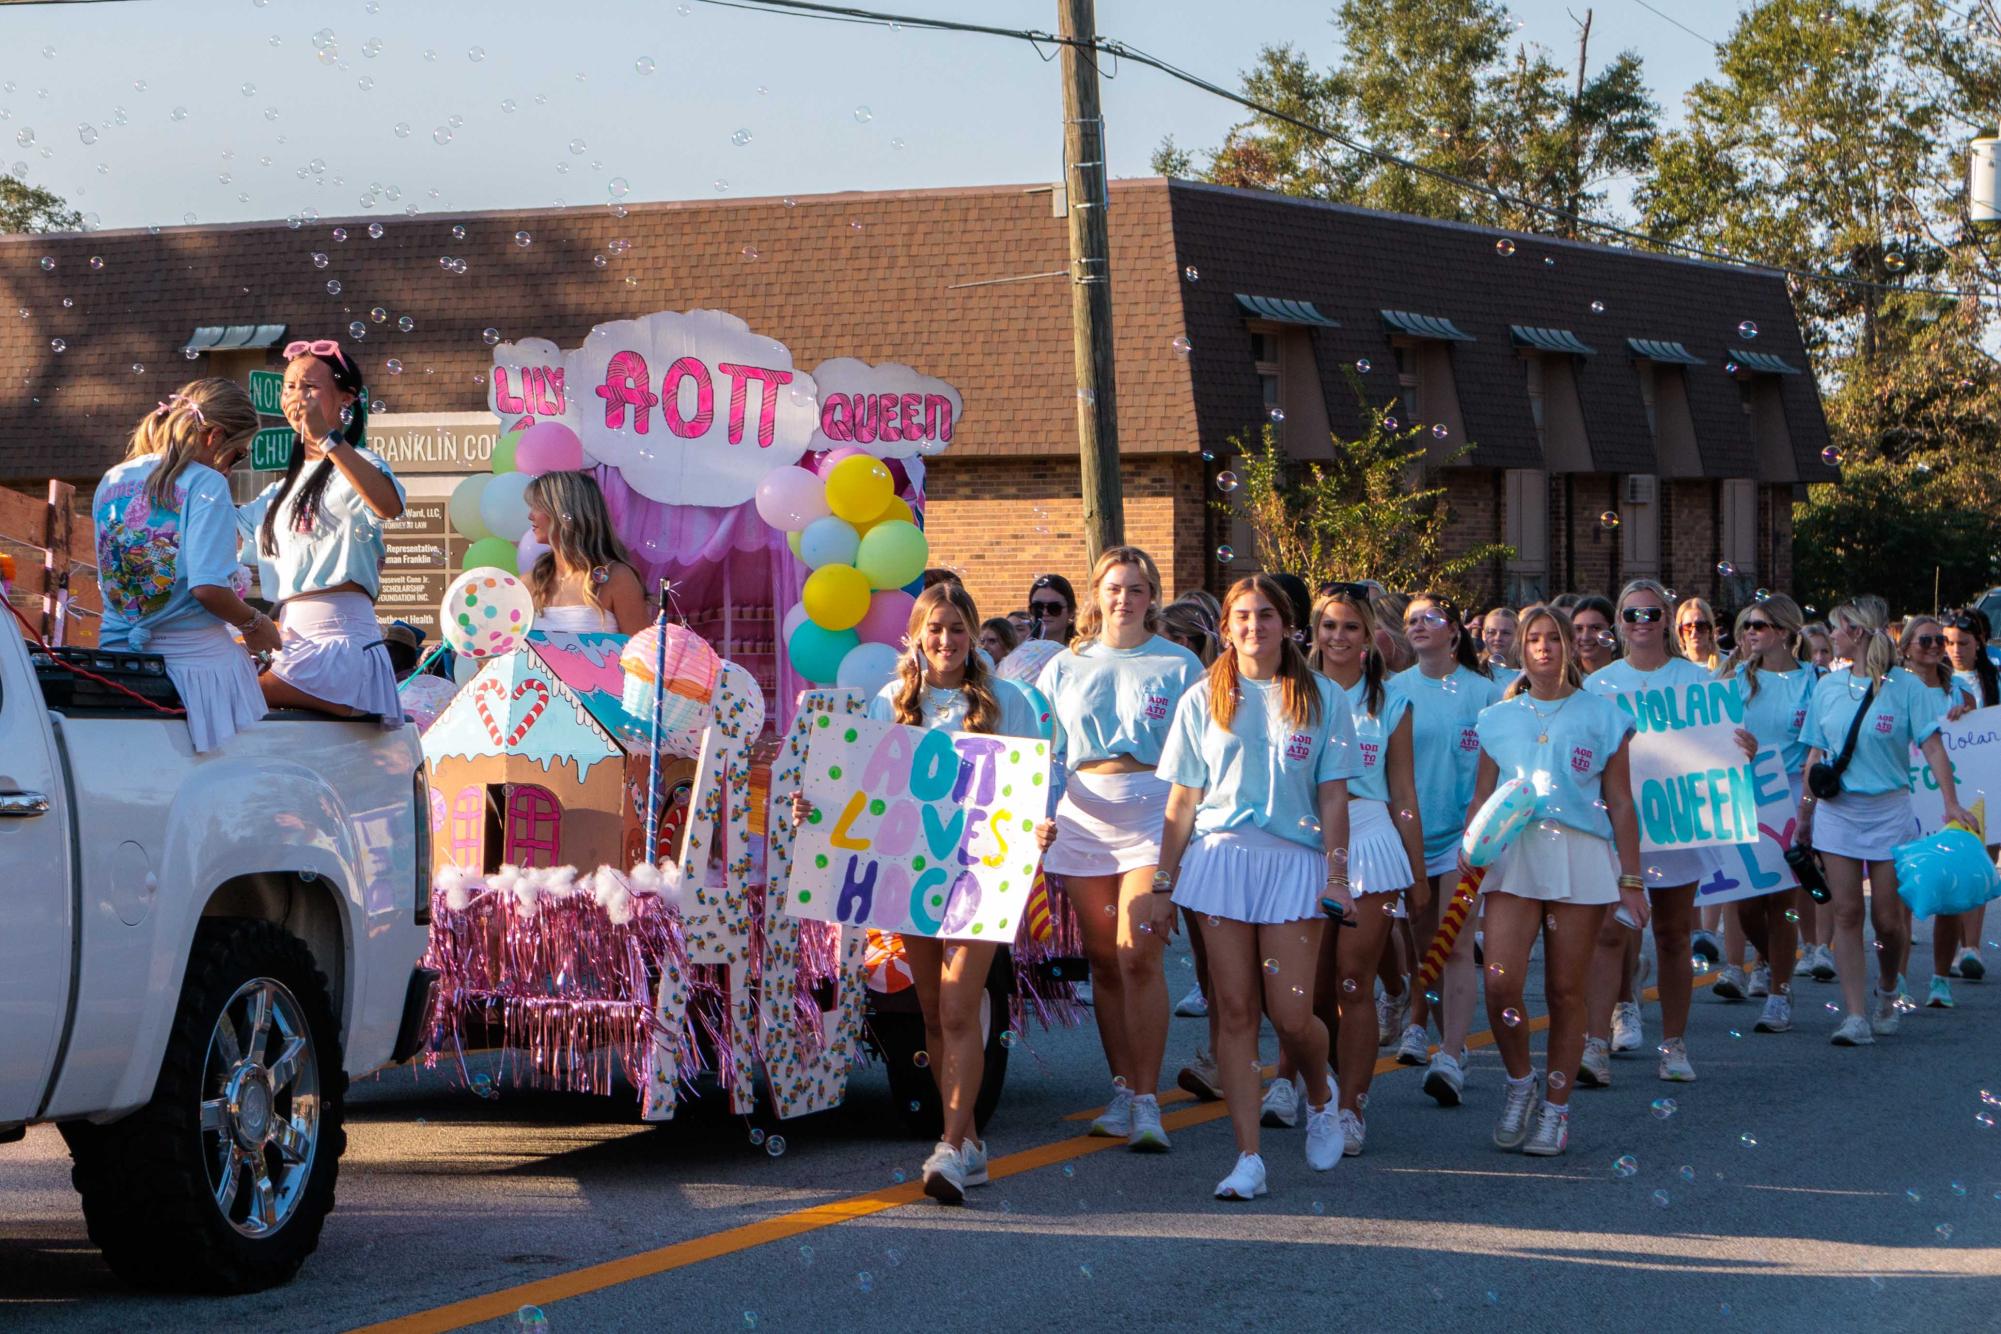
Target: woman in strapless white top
584,583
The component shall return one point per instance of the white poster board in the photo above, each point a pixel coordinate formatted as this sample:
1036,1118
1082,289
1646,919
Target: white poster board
1754,869
1973,744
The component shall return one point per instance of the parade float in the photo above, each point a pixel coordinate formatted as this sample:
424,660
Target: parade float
615,904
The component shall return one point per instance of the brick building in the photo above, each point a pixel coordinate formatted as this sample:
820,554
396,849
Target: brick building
1587,378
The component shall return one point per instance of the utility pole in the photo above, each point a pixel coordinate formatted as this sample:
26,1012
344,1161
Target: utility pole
1087,199
1576,200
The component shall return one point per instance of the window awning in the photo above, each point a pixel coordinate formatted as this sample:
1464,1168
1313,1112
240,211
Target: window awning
1762,362
1426,326
1285,310
233,337
1550,340
1655,349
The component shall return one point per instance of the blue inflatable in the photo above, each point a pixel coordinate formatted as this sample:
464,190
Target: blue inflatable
1944,873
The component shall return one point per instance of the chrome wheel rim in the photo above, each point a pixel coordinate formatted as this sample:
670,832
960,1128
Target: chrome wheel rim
260,1111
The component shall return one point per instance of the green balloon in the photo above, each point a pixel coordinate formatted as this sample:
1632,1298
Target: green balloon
494,551
892,554
816,652
503,452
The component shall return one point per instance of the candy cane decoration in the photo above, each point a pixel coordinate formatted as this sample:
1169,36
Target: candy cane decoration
1464,895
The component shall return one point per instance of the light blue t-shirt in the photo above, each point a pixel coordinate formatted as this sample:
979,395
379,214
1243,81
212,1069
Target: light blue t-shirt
1778,711
1372,737
345,544
1117,701
946,708
1585,731
1942,700
1902,714
151,557
1445,749
1261,771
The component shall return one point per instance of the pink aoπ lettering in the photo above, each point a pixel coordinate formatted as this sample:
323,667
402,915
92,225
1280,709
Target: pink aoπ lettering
627,385
864,419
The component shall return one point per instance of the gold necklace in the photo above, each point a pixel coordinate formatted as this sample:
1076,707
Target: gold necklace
1543,719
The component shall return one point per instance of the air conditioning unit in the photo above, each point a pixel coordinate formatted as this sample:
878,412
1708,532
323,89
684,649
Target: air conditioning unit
1640,488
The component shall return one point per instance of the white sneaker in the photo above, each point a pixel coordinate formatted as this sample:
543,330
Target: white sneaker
1392,1013
973,1161
1194,1005
1940,995
1730,984
1444,1080
1246,1180
1280,1109
945,1175
1325,1142
1628,1031
1968,964
1353,1131
1200,1078
1518,1107
1595,1070
1082,993
1116,1121
1147,1136
1883,1022
1761,981
1853,1032
1674,1066
1551,1134
1778,1015
1415,1046
1822,964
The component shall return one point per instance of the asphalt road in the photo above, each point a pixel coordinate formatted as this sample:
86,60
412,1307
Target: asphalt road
1870,1198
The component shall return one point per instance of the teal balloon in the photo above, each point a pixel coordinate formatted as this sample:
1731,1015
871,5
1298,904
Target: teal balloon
494,551
829,541
816,653
892,554
503,452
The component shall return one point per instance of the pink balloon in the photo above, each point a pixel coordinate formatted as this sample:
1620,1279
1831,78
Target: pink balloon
790,498
548,447
888,618
824,463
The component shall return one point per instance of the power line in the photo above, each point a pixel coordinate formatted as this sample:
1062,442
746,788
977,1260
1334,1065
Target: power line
847,13
1709,41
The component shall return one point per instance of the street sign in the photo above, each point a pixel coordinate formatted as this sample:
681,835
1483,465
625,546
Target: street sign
265,389
271,448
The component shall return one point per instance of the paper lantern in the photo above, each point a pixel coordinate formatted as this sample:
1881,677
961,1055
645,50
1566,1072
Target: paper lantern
463,507
892,554
859,489
791,498
816,653
867,668
486,612
503,506
691,668
888,619
836,597
490,553
548,447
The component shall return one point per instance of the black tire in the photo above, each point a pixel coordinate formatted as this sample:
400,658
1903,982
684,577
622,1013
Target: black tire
146,1179
899,1036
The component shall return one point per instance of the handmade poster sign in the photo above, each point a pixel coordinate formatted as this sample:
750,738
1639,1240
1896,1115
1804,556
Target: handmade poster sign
1973,744
1692,786
891,410
1753,869
926,832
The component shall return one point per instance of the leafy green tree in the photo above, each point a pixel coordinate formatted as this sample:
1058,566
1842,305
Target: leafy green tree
30,208
1898,529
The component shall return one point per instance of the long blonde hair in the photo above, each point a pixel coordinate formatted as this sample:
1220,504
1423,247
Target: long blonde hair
1372,661
1565,635
580,534
1911,624
174,430
1786,616
1300,688
1091,616
1704,610
983,711
1871,615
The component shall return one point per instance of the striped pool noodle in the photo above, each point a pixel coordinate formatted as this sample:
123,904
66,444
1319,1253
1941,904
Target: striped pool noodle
1464,895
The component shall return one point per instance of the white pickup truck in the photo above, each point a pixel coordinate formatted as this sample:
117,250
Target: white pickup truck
196,954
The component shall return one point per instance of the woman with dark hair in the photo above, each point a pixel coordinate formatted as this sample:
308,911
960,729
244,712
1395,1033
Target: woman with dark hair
1956,940
1052,604
1591,618
318,536
997,637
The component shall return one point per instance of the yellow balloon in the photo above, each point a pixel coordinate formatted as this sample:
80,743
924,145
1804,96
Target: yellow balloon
899,508
792,540
836,597
859,489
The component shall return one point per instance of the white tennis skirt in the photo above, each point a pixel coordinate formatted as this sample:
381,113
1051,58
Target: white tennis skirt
333,651
1556,864
1108,824
1251,875
1865,828
1677,868
1377,862
213,674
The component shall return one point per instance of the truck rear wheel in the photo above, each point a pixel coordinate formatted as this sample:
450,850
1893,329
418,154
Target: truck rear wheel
222,1182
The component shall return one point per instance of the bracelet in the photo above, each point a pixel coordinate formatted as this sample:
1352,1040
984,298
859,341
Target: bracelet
251,624
1631,882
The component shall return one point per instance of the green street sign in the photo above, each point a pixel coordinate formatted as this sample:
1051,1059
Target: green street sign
271,448
265,390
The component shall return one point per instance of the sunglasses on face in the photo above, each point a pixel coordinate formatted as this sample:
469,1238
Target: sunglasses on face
1757,625
1641,615
1704,626
1048,608
1929,641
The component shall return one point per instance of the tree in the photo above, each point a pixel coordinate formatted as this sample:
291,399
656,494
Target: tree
1897,529
1170,159
30,208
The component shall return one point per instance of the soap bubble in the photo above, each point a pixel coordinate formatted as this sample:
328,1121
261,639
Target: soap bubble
357,331
865,1281
806,1255
775,1146
1008,1038
1557,1079
489,336
1192,274
1364,366
476,54
1944,1231
1182,345
531,1317
1271,967
1511,1017
1748,1140
644,65
922,1060
58,345
333,287
523,239
320,260
1687,1174
1663,1108
1439,430
442,135
375,231
1390,424
378,314
405,323
756,1137
1226,553
1549,261
1661,1198
394,366
1226,481
1912,1196
863,115
1609,520
87,133
1831,456
1747,331
48,264
1729,368
741,138
1504,247
1597,307
1277,415
1725,568
1894,261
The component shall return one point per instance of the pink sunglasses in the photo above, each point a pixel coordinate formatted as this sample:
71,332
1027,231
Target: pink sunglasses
319,347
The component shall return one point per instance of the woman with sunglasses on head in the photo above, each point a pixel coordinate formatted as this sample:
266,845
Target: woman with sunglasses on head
1113,693
1695,632
1866,810
1052,608
1591,620
1923,648
1256,844
1956,940
1447,690
1672,875
1581,856
166,554
317,532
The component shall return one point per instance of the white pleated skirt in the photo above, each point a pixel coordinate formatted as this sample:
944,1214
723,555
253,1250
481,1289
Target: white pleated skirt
1864,827
213,674
1250,875
1682,866
1108,824
1377,863
333,651
1556,864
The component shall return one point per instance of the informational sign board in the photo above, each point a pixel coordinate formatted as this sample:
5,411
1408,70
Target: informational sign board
266,388
271,448
450,443
421,555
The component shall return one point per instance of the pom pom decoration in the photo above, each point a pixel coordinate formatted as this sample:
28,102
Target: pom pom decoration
817,653
836,597
829,541
867,668
1498,822
859,489
1027,660
791,498
463,507
692,668
1944,873
485,613
548,447
892,554
503,505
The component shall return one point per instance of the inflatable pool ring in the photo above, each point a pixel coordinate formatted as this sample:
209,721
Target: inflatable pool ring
1499,822
1025,664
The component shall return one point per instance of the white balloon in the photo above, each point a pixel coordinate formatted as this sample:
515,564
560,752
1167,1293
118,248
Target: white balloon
867,667
793,620
503,506
527,553
463,507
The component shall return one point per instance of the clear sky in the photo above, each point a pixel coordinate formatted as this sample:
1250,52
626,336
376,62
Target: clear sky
165,111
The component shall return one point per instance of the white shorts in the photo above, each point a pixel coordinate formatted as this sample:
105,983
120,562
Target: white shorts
1377,862
213,675
333,651
1108,824
1865,828
1250,875
1556,864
